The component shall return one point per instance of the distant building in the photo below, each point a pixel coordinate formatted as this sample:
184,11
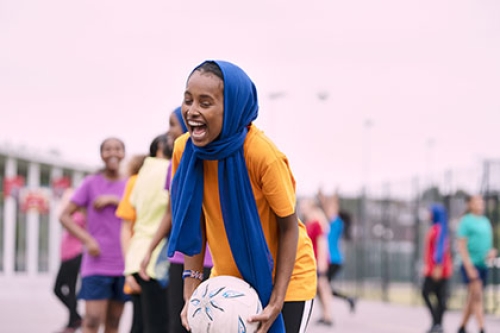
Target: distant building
31,185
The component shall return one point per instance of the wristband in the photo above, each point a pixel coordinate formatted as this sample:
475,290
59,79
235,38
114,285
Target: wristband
192,274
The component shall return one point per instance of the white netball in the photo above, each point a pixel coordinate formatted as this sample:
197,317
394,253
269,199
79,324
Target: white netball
222,305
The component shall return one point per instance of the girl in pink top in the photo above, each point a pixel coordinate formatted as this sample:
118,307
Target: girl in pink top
71,257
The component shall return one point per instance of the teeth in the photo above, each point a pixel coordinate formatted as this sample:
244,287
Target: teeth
194,123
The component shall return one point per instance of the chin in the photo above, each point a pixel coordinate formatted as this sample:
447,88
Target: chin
200,143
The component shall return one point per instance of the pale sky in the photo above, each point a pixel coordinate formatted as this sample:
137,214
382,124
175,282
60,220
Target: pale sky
75,72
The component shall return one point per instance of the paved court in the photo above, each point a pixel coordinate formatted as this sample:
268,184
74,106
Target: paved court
28,306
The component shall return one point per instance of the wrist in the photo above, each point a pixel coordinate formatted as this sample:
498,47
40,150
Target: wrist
190,286
276,301
88,240
189,273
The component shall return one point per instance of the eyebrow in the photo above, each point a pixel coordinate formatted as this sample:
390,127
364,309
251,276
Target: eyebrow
206,96
203,96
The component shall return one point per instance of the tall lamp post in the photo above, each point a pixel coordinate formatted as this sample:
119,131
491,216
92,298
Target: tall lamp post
430,143
365,164
274,96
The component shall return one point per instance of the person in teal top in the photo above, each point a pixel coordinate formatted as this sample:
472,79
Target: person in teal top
340,227
475,247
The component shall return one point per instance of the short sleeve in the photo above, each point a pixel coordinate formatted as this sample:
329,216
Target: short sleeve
314,229
125,210
81,197
168,180
278,186
463,229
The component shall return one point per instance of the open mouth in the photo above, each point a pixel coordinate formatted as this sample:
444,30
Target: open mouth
198,129
112,162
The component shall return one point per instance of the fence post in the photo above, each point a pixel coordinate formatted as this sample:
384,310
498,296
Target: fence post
361,263
416,239
385,238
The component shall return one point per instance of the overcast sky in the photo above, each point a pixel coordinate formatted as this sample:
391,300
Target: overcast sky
425,74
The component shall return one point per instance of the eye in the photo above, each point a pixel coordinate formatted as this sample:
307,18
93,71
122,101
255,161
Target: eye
205,104
188,101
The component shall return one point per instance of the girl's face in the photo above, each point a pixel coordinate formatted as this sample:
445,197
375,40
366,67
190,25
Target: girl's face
203,107
174,130
112,153
476,205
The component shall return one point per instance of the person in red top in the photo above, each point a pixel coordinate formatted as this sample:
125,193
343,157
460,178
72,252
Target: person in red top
437,266
317,227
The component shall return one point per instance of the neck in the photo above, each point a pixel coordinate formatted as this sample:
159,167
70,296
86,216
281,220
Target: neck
111,174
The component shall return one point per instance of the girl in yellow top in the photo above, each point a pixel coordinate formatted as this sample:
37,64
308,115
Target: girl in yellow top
232,178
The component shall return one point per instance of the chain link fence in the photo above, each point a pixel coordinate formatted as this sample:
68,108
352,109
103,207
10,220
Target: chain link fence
384,259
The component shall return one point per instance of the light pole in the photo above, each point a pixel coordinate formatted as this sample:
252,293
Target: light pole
365,163
274,96
430,143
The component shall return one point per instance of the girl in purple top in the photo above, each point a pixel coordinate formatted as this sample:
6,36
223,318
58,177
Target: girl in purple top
102,263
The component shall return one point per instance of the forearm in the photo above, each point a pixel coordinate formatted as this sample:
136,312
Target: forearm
193,263
162,231
287,249
74,229
125,236
464,253
322,264
114,200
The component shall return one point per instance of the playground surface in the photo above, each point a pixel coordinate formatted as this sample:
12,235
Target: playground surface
28,305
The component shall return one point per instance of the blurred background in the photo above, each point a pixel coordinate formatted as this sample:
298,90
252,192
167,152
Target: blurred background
391,105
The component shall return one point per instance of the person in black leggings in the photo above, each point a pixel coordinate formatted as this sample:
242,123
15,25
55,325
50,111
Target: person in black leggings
65,290
69,269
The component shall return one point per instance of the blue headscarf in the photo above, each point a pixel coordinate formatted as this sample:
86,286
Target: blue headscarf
440,217
178,114
239,209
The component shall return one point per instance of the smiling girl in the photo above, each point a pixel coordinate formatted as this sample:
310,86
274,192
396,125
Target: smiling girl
232,178
102,263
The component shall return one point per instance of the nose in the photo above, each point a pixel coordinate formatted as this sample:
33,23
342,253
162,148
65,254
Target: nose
192,112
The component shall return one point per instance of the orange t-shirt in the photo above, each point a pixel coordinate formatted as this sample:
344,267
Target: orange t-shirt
125,210
273,186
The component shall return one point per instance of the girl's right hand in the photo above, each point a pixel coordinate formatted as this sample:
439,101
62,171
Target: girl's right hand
93,247
472,274
132,283
184,316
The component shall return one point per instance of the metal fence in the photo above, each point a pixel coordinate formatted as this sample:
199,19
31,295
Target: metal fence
384,258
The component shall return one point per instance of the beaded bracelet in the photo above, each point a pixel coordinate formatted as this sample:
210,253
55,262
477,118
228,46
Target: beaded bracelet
192,274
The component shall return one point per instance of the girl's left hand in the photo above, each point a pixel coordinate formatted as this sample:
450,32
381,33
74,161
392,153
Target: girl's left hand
266,318
104,200
490,258
437,273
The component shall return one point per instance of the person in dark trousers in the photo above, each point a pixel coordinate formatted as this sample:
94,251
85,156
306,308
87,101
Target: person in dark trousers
438,266
475,247
69,269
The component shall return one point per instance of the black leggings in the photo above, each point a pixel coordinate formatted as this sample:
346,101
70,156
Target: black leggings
65,288
333,270
151,304
439,289
137,323
296,316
